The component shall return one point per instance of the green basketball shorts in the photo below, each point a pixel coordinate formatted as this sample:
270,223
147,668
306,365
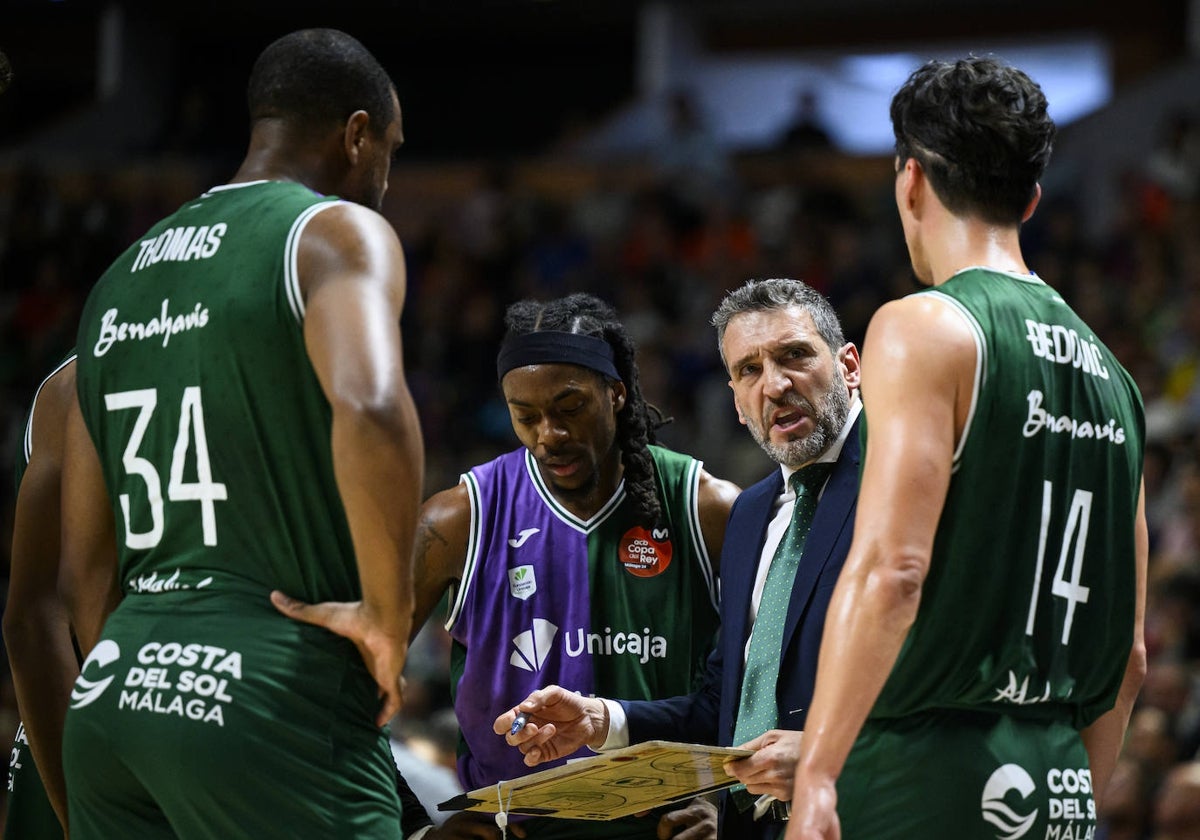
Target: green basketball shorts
212,716
967,776
30,816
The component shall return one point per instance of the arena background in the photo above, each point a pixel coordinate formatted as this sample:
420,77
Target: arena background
644,152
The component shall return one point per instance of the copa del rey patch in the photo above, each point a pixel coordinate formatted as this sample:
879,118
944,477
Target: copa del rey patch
645,552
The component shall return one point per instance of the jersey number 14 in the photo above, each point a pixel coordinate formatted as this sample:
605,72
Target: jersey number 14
1074,541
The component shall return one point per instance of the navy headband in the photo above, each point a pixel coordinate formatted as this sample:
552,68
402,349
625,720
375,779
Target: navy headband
549,347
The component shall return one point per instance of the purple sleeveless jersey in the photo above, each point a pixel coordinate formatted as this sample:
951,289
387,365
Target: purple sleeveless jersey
525,608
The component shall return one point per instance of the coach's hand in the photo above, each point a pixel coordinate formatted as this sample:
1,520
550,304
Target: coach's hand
772,767
382,648
558,722
695,821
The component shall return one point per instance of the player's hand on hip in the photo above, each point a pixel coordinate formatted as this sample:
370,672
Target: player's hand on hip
814,809
772,768
695,821
382,647
557,723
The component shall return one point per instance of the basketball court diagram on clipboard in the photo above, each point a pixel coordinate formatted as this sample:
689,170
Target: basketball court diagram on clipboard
609,785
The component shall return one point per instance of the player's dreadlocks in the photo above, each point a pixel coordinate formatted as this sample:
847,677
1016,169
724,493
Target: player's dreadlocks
585,314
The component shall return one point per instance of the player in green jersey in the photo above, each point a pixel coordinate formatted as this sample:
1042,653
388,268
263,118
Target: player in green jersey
984,643
242,402
36,632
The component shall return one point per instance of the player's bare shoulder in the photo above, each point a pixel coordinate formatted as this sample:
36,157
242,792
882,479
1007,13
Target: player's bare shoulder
443,528
50,408
347,240
439,549
715,498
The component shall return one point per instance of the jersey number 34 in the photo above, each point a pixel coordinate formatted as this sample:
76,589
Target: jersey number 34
191,430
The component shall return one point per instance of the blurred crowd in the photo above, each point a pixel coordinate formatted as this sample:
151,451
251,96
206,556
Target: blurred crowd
663,238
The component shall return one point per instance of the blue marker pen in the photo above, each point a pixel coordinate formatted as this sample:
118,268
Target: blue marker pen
519,723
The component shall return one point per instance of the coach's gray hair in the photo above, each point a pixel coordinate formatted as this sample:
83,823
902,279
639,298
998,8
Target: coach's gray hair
779,293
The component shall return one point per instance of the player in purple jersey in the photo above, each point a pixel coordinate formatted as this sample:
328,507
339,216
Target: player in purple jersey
584,554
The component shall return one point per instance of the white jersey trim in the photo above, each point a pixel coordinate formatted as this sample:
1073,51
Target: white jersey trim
28,444
291,251
693,507
584,526
458,596
237,186
980,367
1031,278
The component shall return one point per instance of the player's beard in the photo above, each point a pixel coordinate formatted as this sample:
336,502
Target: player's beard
828,421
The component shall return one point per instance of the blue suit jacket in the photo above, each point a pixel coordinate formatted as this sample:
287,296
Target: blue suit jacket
707,716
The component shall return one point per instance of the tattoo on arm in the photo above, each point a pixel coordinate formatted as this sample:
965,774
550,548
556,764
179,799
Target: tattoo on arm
426,534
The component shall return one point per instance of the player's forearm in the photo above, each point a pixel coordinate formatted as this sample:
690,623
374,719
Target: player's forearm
44,669
869,617
379,463
1103,739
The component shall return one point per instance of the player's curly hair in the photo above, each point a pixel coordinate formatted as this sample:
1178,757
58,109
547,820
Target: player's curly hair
637,421
317,78
980,130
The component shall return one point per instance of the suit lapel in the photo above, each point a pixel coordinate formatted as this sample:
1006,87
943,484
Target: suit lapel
737,581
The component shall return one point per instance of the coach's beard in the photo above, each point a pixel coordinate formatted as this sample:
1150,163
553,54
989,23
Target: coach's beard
828,425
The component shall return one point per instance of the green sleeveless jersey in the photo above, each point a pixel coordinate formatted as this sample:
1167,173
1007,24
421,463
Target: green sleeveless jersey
212,429
1028,607
22,460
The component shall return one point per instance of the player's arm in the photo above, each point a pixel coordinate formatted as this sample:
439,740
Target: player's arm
918,366
351,271
440,550
87,575
87,585
1104,737
36,629
715,498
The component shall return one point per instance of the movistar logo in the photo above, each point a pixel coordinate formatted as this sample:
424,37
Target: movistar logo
87,691
533,646
1010,823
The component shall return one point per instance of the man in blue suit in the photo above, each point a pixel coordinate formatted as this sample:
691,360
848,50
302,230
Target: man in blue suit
795,384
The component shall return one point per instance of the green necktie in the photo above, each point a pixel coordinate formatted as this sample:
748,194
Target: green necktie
757,711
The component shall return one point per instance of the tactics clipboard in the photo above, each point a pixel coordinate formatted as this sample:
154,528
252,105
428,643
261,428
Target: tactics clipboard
608,785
